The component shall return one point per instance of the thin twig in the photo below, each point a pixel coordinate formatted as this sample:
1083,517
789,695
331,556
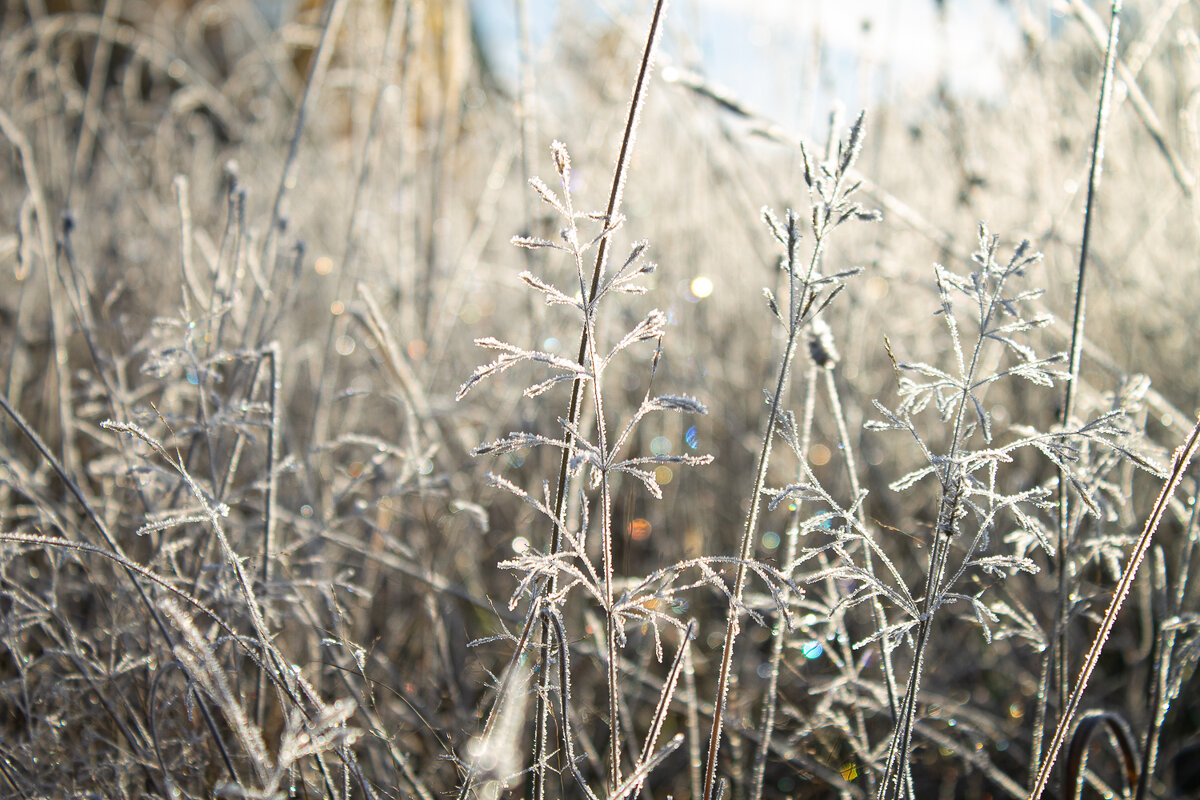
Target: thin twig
771,695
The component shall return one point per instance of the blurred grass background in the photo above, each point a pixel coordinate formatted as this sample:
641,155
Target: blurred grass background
408,176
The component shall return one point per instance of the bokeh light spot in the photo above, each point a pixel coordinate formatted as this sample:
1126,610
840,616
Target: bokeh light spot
640,529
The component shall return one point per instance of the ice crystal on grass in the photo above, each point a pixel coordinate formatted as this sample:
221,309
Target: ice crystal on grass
599,448
988,325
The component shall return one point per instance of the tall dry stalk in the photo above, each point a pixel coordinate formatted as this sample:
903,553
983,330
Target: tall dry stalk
1062,652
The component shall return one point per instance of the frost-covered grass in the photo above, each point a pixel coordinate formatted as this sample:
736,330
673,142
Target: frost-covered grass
752,468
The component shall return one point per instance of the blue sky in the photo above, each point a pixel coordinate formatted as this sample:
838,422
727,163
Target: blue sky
764,51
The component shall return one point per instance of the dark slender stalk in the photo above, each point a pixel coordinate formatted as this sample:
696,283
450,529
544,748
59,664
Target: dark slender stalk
614,205
1062,562
1127,72
575,408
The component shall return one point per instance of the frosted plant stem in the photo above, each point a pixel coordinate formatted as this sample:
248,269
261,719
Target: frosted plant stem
881,622
1164,646
770,698
877,610
272,355
945,530
1039,722
799,290
1062,618
691,703
58,323
1183,457
898,764
606,532
489,725
670,685
1171,604
541,729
